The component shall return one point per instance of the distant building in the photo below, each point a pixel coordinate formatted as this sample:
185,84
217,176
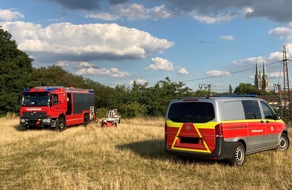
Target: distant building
261,81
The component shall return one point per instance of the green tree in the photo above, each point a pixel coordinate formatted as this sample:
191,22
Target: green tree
246,88
55,76
158,97
230,89
201,93
133,109
15,70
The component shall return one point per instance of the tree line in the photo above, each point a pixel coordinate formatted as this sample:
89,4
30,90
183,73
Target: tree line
139,100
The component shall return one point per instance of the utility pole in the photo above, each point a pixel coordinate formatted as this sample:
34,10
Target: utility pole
277,89
206,87
286,89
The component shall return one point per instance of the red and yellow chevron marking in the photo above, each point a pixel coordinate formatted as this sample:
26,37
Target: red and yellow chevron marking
205,133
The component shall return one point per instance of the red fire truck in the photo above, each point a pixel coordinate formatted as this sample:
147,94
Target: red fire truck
56,107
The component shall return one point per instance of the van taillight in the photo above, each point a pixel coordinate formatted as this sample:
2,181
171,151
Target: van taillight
219,130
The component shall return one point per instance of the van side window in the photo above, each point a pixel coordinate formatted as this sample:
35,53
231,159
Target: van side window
268,112
251,109
233,111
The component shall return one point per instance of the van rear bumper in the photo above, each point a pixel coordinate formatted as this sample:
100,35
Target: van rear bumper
224,150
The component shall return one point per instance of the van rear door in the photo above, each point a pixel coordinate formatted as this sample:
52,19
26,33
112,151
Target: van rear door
189,126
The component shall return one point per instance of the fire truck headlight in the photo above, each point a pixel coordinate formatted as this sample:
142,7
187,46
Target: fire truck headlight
47,120
22,120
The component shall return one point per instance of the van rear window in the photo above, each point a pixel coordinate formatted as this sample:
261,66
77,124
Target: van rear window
194,112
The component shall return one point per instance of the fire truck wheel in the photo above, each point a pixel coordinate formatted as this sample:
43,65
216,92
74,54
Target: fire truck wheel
86,120
62,125
238,157
284,142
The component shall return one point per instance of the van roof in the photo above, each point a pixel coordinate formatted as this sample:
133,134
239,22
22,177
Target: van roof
214,98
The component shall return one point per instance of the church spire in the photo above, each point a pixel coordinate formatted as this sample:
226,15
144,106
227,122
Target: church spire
265,81
264,68
257,69
257,78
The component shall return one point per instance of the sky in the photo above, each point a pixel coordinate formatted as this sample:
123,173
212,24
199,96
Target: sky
117,42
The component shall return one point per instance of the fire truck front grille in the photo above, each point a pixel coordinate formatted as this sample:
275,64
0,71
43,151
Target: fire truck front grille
34,115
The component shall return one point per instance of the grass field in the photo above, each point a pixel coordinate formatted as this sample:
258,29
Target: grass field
130,156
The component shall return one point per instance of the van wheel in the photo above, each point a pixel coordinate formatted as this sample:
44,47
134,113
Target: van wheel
238,157
284,142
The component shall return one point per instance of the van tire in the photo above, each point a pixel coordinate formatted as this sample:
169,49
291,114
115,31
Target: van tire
284,142
238,157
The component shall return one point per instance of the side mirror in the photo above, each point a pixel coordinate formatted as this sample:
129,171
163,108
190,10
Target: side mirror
276,117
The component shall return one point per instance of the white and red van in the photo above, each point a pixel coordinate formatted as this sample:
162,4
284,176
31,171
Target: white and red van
223,128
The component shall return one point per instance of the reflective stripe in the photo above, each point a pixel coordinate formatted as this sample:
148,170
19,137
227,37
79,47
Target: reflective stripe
210,125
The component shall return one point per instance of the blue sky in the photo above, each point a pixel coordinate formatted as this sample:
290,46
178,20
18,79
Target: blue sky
120,41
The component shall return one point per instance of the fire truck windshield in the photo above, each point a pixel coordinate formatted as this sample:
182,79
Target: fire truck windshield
36,99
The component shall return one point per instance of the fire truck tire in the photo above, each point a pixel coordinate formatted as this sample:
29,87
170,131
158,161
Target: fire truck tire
238,157
62,124
284,142
86,120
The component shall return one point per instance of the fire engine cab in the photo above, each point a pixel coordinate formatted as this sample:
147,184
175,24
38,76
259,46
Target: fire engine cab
56,107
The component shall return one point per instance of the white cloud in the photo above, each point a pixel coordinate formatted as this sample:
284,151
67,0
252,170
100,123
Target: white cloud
228,38
9,15
112,72
275,74
249,61
183,71
284,33
133,11
85,64
161,64
101,16
276,56
209,11
88,69
139,81
247,10
212,18
215,73
85,41
63,63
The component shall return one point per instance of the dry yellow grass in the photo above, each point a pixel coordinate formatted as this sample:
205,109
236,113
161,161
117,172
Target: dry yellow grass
130,156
